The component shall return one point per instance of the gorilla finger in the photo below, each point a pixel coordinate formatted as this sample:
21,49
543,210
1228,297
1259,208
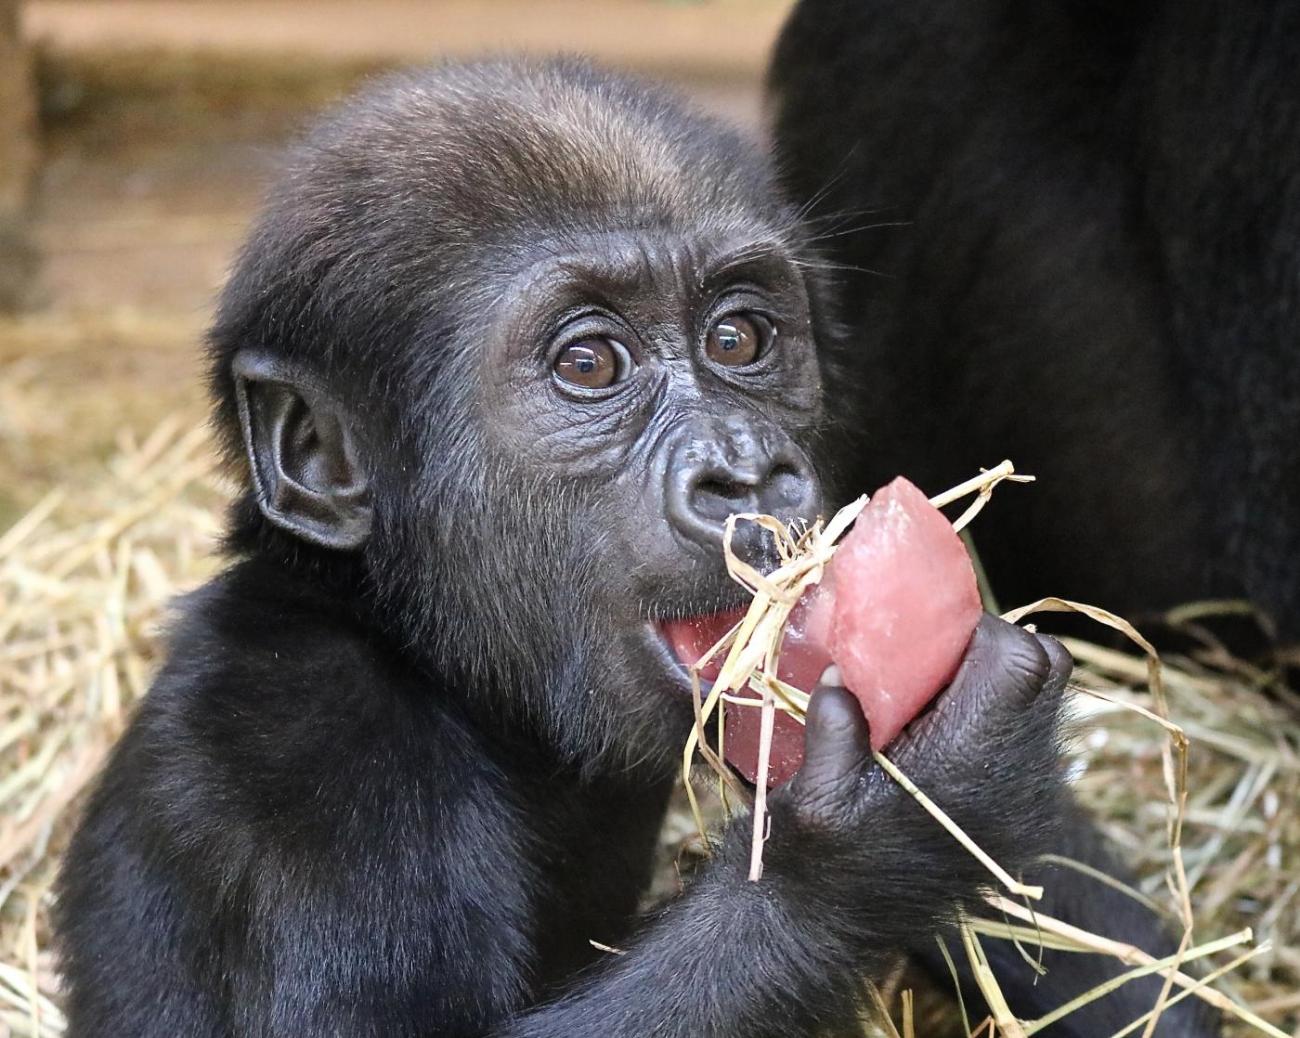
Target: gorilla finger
837,749
1004,671
1060,669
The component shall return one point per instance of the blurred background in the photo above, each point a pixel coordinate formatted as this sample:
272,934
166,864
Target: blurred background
136,137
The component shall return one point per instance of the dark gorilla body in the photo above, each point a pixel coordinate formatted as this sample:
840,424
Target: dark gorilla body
508,344
1097,271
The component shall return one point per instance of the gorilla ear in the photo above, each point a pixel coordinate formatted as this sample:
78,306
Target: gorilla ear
302,453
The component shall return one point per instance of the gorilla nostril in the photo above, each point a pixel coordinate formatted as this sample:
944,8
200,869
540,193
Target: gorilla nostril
717,498
784,490
721,488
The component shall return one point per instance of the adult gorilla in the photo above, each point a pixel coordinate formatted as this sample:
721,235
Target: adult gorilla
1091,263
509,343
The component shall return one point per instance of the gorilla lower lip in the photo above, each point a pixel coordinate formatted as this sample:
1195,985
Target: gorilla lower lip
691,637
803,659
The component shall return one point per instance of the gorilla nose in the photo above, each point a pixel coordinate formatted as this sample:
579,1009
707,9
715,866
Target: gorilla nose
720,466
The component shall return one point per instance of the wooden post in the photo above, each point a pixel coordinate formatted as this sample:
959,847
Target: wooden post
17,162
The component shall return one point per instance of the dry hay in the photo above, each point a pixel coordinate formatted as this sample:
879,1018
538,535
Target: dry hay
84,585
747,679
84,588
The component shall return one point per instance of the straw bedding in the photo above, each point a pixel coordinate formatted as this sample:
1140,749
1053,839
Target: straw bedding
85,583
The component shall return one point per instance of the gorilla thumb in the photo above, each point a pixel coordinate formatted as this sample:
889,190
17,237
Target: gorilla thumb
837,750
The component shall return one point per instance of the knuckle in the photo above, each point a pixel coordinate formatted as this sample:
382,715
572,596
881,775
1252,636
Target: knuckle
1060,663
1010,670
968,743
834,805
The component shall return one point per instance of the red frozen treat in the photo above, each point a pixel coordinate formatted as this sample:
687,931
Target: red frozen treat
906,604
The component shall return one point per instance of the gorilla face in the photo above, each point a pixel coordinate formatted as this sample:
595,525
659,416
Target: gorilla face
645,387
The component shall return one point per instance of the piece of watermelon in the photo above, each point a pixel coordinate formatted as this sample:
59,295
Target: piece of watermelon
895,611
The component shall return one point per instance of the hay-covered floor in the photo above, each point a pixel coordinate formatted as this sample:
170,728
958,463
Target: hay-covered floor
86,577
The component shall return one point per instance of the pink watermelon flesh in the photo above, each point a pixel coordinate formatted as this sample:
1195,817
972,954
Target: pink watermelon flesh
906,608
895,612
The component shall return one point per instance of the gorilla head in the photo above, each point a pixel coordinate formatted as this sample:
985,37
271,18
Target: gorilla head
502,354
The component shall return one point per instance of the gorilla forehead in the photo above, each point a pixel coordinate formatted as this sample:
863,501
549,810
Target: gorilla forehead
401,214
497,150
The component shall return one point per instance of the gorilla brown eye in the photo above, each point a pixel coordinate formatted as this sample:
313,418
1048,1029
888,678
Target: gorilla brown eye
738,340
592,363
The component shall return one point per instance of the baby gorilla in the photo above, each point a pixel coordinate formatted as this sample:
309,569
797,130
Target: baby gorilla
508,344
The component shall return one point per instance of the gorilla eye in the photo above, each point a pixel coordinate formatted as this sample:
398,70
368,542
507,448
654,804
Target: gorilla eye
739,339
593,363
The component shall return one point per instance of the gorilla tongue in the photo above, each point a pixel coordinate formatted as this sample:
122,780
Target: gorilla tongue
895,612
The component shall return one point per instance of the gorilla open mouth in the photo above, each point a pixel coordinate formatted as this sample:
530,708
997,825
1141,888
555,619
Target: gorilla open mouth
802,661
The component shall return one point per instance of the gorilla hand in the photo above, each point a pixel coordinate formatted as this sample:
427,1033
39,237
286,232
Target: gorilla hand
858,851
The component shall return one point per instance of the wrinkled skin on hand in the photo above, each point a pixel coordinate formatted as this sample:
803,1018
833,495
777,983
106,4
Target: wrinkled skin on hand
988,752
1007,693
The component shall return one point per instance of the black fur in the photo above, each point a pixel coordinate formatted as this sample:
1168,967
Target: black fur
1065,232
409,755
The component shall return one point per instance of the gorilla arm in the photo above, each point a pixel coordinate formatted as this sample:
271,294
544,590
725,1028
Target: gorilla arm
853,868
